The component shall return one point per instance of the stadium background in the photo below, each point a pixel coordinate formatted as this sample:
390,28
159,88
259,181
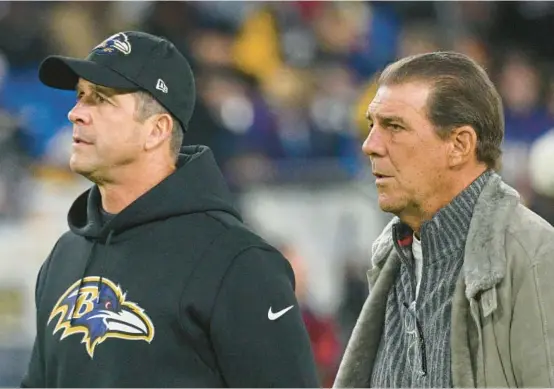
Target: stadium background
282,91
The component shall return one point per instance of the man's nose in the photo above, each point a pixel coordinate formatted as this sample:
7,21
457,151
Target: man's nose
79,114
374,144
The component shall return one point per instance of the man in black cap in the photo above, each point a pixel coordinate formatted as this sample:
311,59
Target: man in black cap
157,283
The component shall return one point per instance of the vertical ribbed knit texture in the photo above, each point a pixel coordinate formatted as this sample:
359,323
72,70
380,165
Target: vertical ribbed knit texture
399,361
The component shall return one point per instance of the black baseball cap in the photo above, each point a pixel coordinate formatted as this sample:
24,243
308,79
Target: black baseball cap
130,60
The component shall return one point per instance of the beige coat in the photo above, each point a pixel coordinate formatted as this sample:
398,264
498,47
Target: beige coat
503,305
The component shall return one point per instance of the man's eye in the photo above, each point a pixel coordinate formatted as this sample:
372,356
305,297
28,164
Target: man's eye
100,98
396,127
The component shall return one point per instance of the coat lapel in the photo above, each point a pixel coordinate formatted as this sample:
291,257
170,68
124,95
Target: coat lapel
462,373
485,257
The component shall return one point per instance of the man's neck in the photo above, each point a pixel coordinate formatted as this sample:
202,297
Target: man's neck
415,217
119,194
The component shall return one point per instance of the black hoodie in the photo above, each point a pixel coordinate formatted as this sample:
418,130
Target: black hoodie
174,291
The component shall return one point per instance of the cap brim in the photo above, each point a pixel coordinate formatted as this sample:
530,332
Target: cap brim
64,73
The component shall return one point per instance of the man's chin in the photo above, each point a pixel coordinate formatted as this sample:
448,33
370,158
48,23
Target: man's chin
80,168
76,167
389,205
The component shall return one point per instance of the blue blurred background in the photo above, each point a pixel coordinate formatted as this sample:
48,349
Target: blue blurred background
282,87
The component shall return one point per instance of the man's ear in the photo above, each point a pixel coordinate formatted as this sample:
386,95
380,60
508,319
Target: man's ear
463,145
160,129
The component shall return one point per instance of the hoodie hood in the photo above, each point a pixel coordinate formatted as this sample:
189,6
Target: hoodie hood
197,185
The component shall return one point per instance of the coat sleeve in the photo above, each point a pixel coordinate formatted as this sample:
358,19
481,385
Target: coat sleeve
532,329
257,329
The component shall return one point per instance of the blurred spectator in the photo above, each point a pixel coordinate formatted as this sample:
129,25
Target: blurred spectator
22,32
377,39
14,169
523,23
338,28
526,114
241,124
256,50
541,162
418,38
323,331
520,86
355,294
311,111
473,47
176,20
89,22
213,48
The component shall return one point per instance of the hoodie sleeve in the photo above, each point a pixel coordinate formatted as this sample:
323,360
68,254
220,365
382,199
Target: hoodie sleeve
257,329
34,376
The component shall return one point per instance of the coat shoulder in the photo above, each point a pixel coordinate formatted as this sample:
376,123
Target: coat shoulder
529,236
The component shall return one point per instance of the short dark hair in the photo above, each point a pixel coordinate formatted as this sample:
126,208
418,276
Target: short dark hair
147,106
462,94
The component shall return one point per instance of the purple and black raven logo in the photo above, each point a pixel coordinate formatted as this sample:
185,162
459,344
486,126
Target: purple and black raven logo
119,42
99,312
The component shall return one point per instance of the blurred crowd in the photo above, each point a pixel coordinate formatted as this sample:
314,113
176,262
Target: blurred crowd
282,91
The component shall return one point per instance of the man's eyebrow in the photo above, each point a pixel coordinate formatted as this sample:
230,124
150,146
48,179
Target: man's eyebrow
390,119
384,118
105,91
109,92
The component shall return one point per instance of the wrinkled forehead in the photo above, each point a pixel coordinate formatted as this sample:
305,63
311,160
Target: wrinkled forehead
400,100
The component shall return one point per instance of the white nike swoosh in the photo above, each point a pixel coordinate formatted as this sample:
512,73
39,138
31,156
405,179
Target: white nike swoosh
277,315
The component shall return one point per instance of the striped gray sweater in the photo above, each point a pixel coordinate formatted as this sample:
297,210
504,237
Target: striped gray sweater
415,347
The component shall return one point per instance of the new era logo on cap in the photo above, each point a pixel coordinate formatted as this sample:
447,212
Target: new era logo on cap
161,86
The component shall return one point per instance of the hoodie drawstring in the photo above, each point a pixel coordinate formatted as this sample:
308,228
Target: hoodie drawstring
82,280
